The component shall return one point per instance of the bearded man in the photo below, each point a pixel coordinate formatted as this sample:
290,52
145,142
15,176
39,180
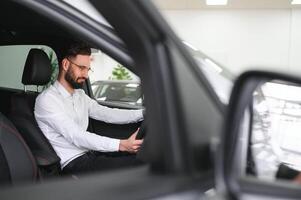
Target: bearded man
62,112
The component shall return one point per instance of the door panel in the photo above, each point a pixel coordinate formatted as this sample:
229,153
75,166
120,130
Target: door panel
119,131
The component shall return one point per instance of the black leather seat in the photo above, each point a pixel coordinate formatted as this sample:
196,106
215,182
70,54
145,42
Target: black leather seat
37,71
17,164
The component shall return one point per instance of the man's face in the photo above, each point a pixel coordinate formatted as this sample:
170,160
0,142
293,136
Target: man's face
77,71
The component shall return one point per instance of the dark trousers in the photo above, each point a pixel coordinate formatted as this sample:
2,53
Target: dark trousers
93,161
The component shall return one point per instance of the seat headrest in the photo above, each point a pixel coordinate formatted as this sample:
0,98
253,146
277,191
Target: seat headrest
37,69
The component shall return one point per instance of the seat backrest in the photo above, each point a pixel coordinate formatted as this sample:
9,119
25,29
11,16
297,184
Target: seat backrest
23,118
37,71
17,164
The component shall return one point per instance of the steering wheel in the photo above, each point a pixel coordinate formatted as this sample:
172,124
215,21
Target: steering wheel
142,131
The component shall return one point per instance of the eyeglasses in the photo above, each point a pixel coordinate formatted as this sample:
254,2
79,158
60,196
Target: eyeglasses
81,67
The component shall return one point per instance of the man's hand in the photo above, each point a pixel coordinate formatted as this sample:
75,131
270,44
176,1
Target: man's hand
130,145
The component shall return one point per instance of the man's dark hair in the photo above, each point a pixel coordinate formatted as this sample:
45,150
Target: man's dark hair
73,49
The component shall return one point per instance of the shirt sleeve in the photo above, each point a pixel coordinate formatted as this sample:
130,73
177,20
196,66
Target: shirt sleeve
113,115
51,113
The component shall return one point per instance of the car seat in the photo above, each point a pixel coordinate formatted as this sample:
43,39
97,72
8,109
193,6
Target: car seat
17,164
37,71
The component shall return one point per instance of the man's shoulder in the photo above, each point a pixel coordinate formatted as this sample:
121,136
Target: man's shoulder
47,95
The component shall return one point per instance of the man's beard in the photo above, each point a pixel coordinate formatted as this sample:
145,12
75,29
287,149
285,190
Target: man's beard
69,77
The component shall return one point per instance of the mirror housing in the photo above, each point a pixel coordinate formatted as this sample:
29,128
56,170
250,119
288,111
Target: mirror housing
238,112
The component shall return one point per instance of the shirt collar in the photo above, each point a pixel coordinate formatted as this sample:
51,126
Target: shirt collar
61,89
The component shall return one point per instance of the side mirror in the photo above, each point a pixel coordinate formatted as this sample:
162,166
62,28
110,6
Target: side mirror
260,149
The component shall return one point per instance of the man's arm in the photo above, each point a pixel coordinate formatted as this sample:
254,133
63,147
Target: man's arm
113,115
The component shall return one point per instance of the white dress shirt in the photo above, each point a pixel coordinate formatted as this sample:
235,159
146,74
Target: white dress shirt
64,118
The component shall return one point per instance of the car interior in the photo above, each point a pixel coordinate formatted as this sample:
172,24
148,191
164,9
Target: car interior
21,139
177,146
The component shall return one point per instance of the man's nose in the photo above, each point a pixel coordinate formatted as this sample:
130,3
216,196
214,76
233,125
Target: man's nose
85,73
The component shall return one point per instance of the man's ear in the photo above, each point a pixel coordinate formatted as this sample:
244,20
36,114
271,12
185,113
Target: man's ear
65,64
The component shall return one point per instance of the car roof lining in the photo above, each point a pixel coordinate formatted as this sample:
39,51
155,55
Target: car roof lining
15,27
29,28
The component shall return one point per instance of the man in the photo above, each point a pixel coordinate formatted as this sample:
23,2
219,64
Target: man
62,113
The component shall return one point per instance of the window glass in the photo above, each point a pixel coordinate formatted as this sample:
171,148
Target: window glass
13,59
113,84
196,103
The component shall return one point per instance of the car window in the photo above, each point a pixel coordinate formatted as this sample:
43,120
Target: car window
13,59
113,84
218,76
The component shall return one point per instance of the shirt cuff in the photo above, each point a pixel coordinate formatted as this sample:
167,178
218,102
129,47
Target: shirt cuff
115,144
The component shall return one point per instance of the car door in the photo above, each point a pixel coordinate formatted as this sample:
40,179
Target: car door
183,112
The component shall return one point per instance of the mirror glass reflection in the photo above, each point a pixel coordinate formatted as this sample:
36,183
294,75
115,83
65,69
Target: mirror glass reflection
274,147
